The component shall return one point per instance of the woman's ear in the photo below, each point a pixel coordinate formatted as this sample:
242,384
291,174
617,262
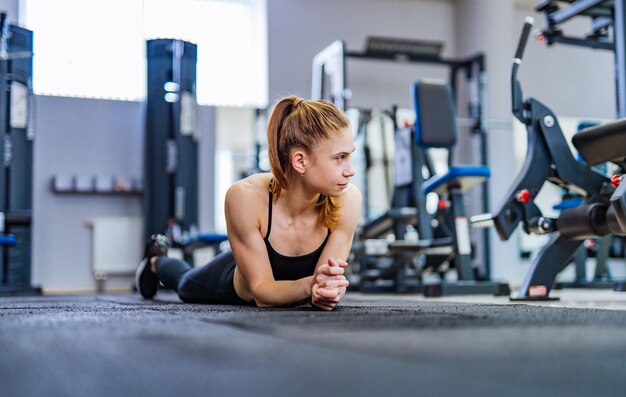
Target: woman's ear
299,161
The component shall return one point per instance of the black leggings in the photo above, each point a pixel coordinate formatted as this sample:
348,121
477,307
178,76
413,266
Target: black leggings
211,283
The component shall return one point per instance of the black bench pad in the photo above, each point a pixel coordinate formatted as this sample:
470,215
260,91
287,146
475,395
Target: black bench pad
602,143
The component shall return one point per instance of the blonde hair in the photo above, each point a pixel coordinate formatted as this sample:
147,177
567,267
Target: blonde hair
298,123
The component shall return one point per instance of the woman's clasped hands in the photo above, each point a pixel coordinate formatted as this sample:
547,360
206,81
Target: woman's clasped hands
329,284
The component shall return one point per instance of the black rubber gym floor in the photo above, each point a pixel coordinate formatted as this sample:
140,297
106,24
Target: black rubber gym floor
121,345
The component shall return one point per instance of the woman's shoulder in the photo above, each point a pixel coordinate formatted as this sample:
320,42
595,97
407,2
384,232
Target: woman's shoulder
251,188
246,201
349,207
351,196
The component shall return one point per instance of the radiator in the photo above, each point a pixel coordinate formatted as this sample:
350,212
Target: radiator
116,245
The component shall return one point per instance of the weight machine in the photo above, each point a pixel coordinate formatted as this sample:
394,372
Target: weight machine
329,82
549,158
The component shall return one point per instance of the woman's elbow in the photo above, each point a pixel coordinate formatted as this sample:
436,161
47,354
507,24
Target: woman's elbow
260,299
263,305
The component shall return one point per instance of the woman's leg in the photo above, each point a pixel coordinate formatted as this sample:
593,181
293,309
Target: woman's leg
211,283
170,271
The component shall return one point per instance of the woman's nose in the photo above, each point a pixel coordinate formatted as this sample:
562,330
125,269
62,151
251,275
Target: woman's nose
349,171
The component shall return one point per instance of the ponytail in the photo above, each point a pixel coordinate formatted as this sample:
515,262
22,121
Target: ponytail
278,156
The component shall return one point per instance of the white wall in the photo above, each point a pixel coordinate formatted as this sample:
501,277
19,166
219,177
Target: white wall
234,128
299,29
235,153
572,81
11,7
87,137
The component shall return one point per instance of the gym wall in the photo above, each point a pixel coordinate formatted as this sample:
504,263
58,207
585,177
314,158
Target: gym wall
297,30
87,137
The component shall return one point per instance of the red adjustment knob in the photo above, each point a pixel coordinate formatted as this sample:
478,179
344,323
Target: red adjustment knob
523,196
615,180
541,38
443,204
590,244
406,123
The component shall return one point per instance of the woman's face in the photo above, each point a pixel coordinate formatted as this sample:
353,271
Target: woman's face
330,169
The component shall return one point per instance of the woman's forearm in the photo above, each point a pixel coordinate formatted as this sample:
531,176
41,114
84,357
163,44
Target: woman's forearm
283,293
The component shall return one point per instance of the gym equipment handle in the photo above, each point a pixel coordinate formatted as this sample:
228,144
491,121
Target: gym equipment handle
521,45
482,221
516,90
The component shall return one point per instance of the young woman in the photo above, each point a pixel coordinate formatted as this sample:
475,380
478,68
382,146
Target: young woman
290,231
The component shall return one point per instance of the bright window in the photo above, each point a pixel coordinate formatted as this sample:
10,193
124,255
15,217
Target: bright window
97,48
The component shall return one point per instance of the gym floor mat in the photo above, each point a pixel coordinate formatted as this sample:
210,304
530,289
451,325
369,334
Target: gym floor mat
121,345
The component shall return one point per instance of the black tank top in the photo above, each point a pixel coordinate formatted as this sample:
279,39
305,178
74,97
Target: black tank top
291,267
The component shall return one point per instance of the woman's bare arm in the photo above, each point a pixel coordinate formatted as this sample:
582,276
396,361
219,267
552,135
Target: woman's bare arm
242,218
329,283
340,241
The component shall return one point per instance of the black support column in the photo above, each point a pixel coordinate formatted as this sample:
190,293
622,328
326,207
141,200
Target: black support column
16,147
619,32
171,146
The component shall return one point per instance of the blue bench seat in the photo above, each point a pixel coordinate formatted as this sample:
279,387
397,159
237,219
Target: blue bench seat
7,239
464,176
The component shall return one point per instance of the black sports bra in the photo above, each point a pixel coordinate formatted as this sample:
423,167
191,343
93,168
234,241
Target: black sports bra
291,267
